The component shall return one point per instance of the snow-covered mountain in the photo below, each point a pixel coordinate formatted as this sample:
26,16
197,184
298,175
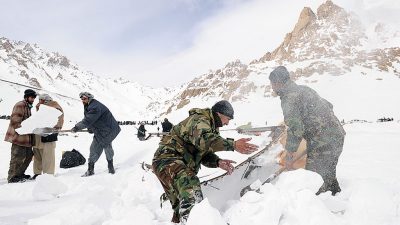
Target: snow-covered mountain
322,45
330,42
28,64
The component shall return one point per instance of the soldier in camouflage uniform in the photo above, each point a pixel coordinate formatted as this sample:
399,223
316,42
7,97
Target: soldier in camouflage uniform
311,117
190,143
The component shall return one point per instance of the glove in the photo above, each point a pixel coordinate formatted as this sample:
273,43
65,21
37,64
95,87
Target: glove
90,131
74,129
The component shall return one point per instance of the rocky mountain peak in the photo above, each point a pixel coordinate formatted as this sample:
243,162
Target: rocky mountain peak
58,59
330,41
314,35
306,18
329,10
6,44
333,42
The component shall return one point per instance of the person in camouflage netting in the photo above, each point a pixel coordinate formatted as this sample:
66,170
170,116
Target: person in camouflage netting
189,144
311,117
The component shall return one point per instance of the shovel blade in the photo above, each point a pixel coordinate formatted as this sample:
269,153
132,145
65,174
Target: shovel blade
44,131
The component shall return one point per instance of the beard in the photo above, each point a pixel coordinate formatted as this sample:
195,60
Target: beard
30,101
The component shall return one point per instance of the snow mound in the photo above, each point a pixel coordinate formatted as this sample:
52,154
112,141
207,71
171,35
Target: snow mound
47,187
291,200
298,180
256,209
204,213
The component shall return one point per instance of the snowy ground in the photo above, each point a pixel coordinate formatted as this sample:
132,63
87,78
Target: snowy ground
368,172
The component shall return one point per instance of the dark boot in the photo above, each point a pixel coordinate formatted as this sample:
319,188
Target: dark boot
175,218
334,187
34,176
17,179
26,177
90,170
111,166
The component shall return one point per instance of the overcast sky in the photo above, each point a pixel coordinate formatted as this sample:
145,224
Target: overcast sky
164,42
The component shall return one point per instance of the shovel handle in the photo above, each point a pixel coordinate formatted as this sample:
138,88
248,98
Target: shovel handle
66,131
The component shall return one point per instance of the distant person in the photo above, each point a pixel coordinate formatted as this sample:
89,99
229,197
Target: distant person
166,126
141,134
21,148
44,149
311,117
192,142
99,120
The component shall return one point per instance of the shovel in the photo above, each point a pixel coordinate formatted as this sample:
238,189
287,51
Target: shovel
45,131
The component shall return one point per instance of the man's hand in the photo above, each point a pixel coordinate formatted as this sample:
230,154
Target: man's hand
37,106
226,165
243,147
289,160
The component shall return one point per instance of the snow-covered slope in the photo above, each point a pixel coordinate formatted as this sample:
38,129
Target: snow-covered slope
28,64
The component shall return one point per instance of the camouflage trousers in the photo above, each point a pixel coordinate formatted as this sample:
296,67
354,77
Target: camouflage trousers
323,160
181,185
21,157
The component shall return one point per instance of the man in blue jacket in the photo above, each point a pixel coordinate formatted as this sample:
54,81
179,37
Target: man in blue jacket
99,120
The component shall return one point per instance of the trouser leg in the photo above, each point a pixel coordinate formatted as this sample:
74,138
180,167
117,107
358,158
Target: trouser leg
189,191
48,157
95,151
21,157
166,171
109,151
37,161
323,161
27,159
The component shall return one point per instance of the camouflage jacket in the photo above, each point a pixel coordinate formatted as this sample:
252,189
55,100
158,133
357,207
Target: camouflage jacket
193,141
308,116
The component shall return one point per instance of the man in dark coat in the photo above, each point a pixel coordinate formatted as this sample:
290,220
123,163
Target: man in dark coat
141,133
166,125
21,148
99,120
311,117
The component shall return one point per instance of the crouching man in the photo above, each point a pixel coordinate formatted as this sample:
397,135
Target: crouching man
190,143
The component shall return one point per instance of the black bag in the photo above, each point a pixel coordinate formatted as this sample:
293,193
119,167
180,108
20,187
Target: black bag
71,159
49,138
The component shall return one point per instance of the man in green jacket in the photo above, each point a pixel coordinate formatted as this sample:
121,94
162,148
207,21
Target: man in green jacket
311,117
189,144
